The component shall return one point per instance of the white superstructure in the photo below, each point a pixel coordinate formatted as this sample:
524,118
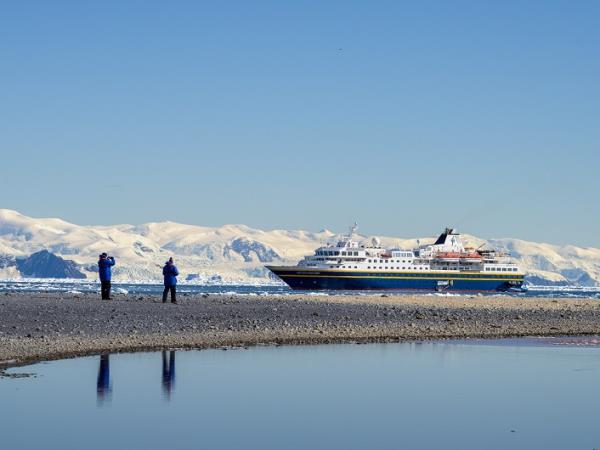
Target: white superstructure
447,253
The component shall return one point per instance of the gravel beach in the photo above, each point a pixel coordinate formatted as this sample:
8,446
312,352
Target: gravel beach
40,326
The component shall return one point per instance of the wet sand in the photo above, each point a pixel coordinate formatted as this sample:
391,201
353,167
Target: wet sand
36,327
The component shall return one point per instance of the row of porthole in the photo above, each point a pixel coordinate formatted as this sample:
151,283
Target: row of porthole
391,260
434,276
487,269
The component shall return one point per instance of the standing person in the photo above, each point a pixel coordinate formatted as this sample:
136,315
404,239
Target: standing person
104,269
170,273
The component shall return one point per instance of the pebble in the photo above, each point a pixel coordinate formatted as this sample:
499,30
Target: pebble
100,326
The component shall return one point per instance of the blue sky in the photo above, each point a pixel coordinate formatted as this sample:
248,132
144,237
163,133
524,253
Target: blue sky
403,116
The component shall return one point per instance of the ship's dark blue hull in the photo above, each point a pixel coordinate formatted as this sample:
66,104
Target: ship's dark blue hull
434,281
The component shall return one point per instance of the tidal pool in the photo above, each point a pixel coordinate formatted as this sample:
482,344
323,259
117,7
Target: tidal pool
510,394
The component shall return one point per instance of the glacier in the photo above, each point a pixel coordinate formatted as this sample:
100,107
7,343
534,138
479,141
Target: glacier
236,254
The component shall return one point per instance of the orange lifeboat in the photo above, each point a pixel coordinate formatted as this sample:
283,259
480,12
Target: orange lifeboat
470,257
456,257
448,256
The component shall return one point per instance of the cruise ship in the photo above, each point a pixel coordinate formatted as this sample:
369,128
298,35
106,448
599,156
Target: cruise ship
445,265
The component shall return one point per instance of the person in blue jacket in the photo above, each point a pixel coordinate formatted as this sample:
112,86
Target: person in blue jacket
170,273
105,264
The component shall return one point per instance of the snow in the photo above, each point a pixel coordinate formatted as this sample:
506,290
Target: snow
231,254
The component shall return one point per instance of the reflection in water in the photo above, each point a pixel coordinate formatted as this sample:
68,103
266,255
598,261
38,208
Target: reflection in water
103,387
168,373
347,397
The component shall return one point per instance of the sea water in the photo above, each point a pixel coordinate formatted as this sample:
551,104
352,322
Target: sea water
138,288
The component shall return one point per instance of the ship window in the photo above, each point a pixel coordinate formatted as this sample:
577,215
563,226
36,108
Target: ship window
369,260
337,253
368,267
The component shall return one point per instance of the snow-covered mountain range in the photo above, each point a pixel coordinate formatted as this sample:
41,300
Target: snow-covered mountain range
233,253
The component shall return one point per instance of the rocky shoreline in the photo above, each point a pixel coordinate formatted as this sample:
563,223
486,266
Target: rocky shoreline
42,326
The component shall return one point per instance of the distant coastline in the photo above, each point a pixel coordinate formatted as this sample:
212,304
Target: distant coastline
230,254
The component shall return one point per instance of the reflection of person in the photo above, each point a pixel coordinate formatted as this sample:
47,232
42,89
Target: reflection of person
170,273
168,373
104,270
103,388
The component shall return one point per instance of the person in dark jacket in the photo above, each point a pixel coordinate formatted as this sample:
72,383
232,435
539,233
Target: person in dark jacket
104,270
170,273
